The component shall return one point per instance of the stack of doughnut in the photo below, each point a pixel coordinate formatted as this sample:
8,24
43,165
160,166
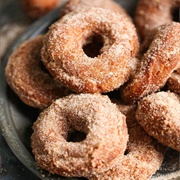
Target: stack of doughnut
109,102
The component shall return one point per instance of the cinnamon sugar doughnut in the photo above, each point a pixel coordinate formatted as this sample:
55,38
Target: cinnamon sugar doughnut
28,78
158,114
64,57
157,64
38,8
92,114
143,156
173,83
152,14
76,5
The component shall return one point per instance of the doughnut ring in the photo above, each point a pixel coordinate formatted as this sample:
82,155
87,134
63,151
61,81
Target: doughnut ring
37,8
158,114
157,64
76,5
152,14
65,59
103,126
143,156
27,76
173,83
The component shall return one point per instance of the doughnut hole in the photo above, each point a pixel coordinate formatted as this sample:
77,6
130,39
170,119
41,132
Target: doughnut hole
75,136
127,151
175,14
93,45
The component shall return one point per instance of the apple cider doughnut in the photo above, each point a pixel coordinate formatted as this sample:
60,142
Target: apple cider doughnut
29,79
63,51
103,126
76,5
158,63
159,115
143,156
152,14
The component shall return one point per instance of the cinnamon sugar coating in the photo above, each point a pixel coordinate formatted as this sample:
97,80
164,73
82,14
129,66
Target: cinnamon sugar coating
158,114
64,57
94,115
173,83
157,64
28,78
152,14
76,5
143,156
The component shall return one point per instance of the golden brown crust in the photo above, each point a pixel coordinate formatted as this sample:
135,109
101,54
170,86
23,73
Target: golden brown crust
158,114
92,114
152,14
143,156
38,8
157,64
64,57
26,75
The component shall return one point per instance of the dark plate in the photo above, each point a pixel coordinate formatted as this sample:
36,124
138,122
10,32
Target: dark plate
16,118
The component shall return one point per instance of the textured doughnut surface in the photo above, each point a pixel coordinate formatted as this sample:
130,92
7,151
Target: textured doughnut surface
64,57
94,115
152,14
158,114
76,5
173,83
28,78
157,64
143,156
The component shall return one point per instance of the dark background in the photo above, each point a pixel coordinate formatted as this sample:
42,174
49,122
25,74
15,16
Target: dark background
13,22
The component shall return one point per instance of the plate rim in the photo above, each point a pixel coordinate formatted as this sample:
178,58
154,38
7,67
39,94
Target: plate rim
6,125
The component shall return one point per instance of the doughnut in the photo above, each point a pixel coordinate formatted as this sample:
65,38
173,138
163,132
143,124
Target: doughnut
76,5
158,114
28,78
105,135
143,156
173,83
64,57
157,64
37,8
152,14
